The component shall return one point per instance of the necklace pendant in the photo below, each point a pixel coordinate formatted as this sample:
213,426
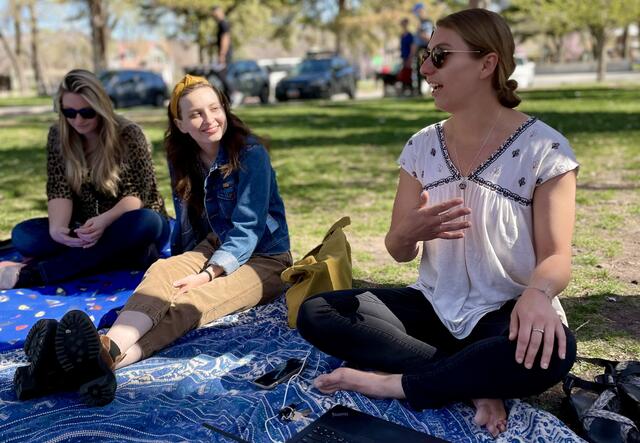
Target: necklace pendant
463,185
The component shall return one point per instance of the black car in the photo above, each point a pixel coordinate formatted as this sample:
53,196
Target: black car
243,76
129,87
318,77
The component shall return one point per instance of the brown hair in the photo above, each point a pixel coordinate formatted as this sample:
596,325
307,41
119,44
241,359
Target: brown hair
487,32
103,162
183,152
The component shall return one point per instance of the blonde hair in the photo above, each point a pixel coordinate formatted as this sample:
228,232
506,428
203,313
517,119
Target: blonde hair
103,160
487,32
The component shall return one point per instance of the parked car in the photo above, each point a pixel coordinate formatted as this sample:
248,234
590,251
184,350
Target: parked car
524,72
243,76
128,87
318,76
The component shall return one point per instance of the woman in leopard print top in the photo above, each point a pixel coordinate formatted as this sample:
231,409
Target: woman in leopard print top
104,208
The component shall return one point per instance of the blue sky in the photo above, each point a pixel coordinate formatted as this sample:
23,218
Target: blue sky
53,15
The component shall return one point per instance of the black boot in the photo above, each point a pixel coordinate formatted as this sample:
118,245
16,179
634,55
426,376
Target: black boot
81,351
44,375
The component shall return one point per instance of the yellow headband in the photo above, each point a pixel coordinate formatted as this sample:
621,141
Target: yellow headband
187,80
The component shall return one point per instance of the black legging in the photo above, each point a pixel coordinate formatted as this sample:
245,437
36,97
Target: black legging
397,331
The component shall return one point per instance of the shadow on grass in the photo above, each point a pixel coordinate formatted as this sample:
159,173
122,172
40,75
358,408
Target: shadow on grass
604,316
595,93
361,284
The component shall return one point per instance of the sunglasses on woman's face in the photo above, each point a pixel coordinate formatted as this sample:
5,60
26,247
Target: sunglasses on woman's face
438,54
85,113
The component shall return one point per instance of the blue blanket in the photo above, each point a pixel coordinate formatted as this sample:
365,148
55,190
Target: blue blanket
205,377
101,296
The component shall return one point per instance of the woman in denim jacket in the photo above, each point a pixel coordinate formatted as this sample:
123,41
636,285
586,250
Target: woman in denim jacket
230,244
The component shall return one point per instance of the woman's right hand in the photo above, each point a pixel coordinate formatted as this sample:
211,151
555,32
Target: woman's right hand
61,234
424,222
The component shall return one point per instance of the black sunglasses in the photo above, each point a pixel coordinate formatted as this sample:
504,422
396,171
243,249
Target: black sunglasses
85,113
438,54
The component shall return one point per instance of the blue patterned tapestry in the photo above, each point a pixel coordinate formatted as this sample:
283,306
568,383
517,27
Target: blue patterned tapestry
206,378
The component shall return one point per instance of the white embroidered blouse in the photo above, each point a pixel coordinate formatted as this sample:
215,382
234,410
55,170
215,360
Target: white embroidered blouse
469,277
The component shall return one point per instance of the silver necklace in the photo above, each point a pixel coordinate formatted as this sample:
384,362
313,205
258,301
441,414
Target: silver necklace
461,169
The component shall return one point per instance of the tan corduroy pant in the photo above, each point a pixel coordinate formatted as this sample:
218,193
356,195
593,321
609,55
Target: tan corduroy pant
256,282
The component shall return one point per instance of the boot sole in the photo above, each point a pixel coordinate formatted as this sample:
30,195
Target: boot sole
40,342
43,376
25,384
78,350
99,391
77,341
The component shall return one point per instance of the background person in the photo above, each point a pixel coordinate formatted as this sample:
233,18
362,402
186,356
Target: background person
405,75
230,243
490,195
225,54
420,42
104,208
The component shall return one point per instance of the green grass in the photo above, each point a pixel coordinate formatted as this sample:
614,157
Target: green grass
25,101
338,158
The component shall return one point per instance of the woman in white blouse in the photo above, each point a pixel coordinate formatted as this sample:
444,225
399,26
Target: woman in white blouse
490,195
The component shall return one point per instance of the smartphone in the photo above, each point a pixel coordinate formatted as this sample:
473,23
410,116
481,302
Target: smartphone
283,372
72,229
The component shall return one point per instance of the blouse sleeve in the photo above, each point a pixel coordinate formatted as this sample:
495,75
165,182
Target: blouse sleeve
57,184
557,159
137,177
409,158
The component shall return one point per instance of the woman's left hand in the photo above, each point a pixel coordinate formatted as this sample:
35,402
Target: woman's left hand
92,230
190,282
535,322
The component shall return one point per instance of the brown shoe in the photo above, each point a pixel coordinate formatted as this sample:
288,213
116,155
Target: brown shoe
106,354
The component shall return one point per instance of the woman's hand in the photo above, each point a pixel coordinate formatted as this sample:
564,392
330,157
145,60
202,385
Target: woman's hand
424,222
92,230
61,234
535,322
194,280
190,282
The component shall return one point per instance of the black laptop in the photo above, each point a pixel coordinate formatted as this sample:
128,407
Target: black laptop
346,425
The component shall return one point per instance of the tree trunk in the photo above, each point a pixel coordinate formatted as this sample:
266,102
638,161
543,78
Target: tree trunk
600,36
202,45
339,27
16,12
625,47
12,58
98,18
41,88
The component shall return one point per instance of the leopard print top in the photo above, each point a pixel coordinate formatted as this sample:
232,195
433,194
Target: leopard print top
137,177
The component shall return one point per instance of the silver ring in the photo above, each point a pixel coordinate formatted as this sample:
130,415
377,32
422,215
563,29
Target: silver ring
538,330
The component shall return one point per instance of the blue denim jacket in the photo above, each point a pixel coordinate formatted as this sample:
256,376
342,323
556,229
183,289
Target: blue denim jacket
243,209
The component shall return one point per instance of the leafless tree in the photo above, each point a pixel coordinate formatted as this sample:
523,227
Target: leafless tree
35,56
99,17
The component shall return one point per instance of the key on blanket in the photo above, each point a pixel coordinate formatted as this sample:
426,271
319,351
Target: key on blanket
291,413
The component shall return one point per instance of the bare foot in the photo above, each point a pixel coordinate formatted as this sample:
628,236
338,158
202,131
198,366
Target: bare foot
367,383
491,414
9,272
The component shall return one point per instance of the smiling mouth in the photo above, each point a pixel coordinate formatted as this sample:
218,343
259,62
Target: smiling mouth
435,86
